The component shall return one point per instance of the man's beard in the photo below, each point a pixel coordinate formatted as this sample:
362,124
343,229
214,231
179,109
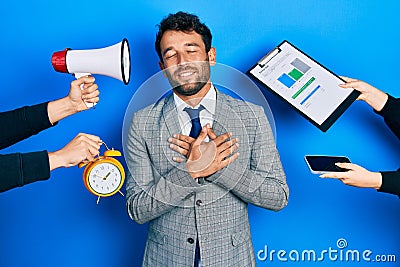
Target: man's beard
189,88
193,86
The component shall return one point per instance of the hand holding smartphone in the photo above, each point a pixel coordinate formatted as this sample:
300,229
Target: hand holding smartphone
319,164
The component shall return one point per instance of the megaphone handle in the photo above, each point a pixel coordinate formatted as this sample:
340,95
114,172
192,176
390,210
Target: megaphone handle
79,75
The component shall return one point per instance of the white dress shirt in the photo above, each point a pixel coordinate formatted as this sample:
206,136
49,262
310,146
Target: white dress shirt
206,115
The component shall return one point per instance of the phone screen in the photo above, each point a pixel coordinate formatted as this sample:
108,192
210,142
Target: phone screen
320,164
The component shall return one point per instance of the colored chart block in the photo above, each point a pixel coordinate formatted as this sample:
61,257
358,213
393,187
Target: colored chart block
309,95
295,74
286,80
303,88
300,65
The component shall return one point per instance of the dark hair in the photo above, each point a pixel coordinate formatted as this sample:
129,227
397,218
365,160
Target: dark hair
185,22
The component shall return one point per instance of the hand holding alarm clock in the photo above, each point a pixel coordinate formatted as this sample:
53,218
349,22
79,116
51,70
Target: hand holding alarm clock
105,175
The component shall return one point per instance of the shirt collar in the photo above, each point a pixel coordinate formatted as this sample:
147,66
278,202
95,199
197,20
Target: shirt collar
208,101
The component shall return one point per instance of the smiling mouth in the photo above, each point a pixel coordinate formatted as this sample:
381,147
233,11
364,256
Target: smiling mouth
185,74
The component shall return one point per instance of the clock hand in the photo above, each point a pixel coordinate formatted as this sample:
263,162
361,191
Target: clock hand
99,176
105,177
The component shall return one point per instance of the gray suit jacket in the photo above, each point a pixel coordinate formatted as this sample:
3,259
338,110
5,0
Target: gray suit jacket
180,210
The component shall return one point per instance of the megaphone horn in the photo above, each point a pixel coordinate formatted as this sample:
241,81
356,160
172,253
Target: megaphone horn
113,61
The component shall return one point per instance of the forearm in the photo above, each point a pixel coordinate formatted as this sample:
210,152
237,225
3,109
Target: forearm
56,160
22,123
391,114
267,189
20,169
391,182
60,109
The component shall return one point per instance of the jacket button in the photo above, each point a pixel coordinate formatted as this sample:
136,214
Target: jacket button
199,202
190,240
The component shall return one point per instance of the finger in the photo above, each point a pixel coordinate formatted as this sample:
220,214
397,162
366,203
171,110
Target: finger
87,152
185,138
334,175
179,143
327,175
91,140
89,157
91,137
83,80
90,94
354,84
92,100
229,160
228,152
86,95
93,151
231,144
178,159
345,165
87,79
348,79
86,86
357,85
351,83
93,147
201,137
179,149
222,138
90,87
211,132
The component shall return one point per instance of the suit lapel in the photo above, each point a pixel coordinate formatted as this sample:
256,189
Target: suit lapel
222,113
170,115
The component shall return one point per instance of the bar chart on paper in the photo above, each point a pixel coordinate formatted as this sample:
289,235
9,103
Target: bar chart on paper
306,88
298,70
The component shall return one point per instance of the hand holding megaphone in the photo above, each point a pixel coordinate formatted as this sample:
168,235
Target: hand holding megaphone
113,61
84,93
82,86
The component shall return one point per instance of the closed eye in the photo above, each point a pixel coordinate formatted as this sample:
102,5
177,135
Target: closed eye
170,55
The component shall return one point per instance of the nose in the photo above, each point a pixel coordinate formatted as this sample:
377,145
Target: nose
181,58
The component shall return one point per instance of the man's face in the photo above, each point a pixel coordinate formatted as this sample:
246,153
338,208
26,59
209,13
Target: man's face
185,61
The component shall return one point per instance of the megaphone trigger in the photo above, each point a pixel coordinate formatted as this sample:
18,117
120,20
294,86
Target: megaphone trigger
79,75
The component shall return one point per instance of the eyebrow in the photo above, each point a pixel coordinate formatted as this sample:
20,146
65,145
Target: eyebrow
186,44
192,44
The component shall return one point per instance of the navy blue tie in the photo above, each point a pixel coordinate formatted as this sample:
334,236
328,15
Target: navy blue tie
195,118
194,114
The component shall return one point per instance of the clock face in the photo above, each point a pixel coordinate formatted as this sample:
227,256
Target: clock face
105,178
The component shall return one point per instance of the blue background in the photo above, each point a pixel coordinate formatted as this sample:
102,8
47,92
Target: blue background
57,222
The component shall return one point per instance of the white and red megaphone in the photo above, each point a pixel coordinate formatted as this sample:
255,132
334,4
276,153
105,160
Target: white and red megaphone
113,61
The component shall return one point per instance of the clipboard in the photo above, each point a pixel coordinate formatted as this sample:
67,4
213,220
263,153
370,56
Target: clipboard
306,85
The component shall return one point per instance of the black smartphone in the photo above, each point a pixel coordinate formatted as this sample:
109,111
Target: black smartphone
322,164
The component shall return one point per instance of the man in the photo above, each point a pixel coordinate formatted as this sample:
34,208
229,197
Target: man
20,169
195,193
